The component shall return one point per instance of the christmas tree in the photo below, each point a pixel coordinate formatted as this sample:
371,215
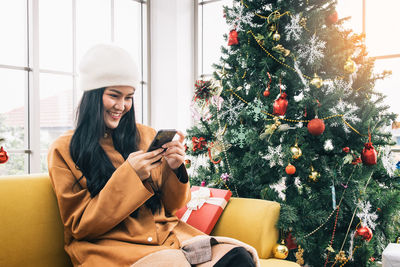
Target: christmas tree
292,116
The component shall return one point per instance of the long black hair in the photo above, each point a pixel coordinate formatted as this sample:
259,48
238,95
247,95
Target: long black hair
85,150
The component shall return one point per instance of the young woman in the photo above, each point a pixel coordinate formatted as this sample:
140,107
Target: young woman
116,201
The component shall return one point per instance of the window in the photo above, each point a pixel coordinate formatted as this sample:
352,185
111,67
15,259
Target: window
374,18
42,42
211,29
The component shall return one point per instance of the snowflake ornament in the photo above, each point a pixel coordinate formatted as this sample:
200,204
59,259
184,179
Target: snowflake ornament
338,85
239,18
274,156
300,125
349,113
328,146
255,109
280,187
368,218
294,29
297,183
247,88
231,110
266,7
240,137
313,51
299,97
388,160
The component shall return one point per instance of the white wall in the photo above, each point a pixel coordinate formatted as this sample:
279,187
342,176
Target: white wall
172,66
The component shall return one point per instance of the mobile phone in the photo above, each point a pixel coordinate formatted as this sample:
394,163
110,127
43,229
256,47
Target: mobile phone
162,137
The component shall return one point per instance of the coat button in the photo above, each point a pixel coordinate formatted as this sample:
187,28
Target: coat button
149,239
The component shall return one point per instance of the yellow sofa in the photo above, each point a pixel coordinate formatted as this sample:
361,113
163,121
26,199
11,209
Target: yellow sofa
31,232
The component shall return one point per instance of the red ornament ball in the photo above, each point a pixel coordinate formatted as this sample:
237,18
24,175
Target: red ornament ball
316,127
233,38
280,105
346,149
369,155
3,156
365,233
332,18
266,93
290,169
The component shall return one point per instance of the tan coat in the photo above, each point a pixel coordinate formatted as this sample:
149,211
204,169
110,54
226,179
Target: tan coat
99,231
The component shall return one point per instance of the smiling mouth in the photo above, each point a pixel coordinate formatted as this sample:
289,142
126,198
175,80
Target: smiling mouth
115,115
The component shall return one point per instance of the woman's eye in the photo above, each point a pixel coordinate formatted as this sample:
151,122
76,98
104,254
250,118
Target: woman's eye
113,95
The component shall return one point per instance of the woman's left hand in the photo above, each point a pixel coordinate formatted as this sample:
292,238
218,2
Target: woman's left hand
175,152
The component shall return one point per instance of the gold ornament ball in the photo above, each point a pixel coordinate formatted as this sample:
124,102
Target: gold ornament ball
314,176
280,251
276,37
349,66
296,151
317,81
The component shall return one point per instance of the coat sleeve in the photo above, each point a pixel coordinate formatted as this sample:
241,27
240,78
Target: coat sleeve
175,191
86,217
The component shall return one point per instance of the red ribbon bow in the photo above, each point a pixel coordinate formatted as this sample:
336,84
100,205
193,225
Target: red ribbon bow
198,143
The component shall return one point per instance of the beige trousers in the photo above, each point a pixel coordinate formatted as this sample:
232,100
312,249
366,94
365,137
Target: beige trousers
176,258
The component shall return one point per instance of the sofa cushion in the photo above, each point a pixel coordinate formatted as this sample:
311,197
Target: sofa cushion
251,221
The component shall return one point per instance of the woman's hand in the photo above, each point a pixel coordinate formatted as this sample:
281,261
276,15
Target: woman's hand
144,162
175,152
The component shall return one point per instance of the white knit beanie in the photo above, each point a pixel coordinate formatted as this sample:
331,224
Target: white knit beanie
106,65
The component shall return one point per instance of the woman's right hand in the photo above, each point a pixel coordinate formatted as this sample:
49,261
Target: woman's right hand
144,162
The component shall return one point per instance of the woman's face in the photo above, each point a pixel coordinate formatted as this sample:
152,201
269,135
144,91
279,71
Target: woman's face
117,101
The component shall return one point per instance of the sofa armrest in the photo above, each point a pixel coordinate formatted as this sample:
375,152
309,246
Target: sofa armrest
251,221
31,230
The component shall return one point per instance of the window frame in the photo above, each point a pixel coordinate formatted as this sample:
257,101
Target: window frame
32,90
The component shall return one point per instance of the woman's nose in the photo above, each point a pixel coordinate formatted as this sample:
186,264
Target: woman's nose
120,105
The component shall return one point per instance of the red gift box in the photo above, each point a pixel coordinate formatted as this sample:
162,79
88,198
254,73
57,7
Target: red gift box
204,208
